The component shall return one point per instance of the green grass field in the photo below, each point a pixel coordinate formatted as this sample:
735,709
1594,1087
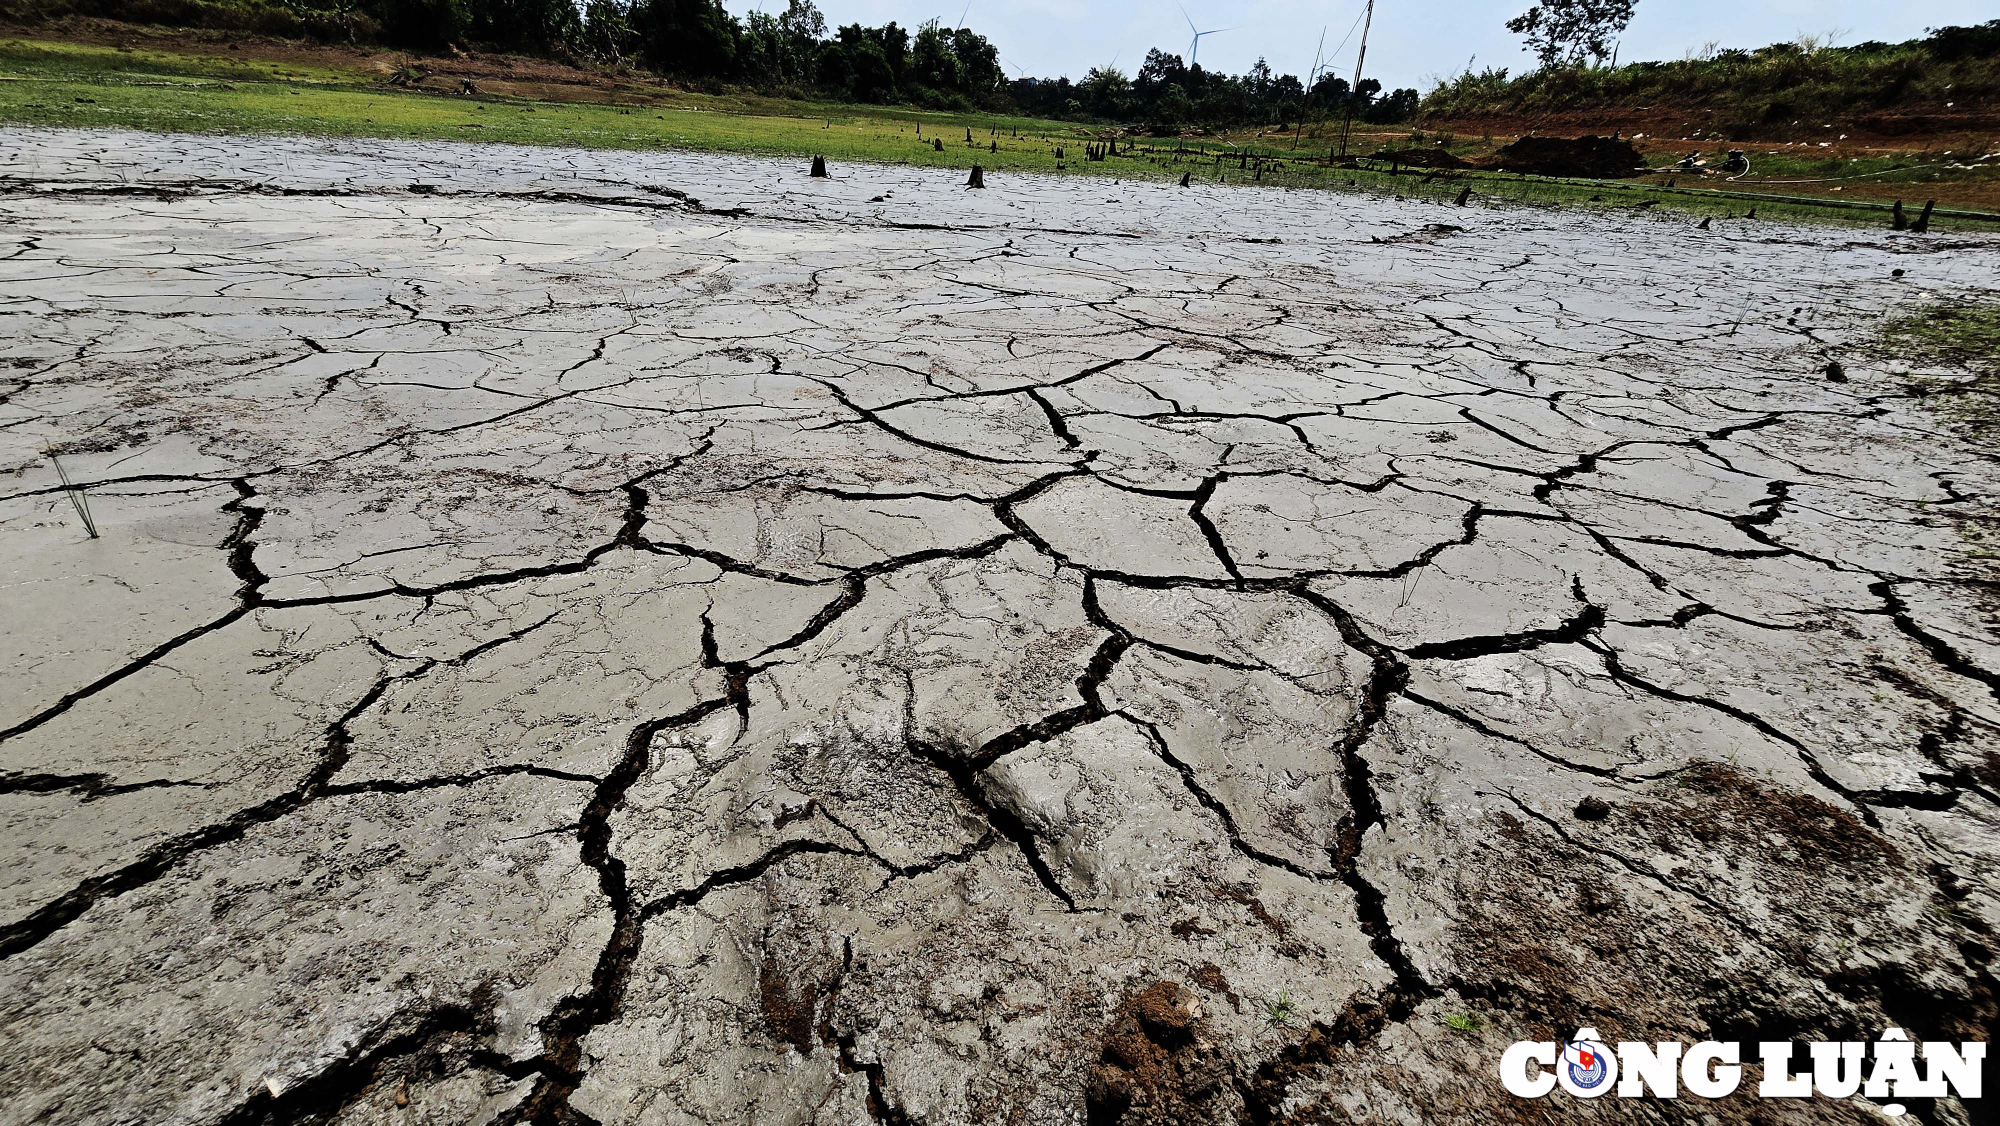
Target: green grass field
69,85
72,85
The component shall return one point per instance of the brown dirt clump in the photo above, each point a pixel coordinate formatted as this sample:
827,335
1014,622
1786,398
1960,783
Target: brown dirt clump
1158,1066
789,1014
1589,156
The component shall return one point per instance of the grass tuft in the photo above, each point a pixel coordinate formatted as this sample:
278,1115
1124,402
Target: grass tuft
1962,336
1280,1010
77,499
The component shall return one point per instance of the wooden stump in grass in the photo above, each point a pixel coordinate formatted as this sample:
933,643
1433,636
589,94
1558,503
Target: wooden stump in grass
977,179
1463,195
1184,178
1897,220
937,144
819,168
1923,224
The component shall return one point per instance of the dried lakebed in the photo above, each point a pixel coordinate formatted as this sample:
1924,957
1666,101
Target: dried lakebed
584,637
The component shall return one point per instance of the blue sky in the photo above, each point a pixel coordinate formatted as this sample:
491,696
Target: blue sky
1412,40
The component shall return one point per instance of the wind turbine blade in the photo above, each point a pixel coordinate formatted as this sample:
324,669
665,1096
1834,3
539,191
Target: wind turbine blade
963,13
1185,16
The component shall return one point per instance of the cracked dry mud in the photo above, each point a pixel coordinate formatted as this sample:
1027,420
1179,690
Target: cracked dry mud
652,638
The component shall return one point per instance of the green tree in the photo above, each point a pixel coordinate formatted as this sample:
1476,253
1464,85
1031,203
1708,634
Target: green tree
691,38
607,30
979,71
426,25
801,30
864,64
1563,33
1105,89
523,26
933,64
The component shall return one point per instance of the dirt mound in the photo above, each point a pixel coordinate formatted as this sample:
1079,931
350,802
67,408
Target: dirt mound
1158,1066
1593,157
1420,158
1428,233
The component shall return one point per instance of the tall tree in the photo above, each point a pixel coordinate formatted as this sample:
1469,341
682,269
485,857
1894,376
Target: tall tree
979,71
526,26
426,25
1104,90
1563,33
933,63
607,29
692,38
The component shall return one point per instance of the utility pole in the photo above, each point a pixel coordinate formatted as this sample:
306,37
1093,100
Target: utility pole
1354,92
1311,81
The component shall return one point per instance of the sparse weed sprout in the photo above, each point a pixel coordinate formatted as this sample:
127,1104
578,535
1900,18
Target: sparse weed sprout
1961,335
1462,1022
77,499
1280,1010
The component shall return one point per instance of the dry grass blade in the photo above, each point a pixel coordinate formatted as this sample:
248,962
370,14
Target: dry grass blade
76,496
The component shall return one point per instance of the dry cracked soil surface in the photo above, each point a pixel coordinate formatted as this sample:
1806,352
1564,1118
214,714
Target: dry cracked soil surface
617,638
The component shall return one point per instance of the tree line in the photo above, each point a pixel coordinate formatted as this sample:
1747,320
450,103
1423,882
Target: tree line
795,53
933,66
1168,92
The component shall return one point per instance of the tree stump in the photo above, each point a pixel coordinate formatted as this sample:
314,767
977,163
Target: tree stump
1923,224
1897,220
819,168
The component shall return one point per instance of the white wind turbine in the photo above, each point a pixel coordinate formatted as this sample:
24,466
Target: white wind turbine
1194,48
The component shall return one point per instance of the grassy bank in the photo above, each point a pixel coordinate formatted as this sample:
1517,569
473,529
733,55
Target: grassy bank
224,87
71,85
1786,91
